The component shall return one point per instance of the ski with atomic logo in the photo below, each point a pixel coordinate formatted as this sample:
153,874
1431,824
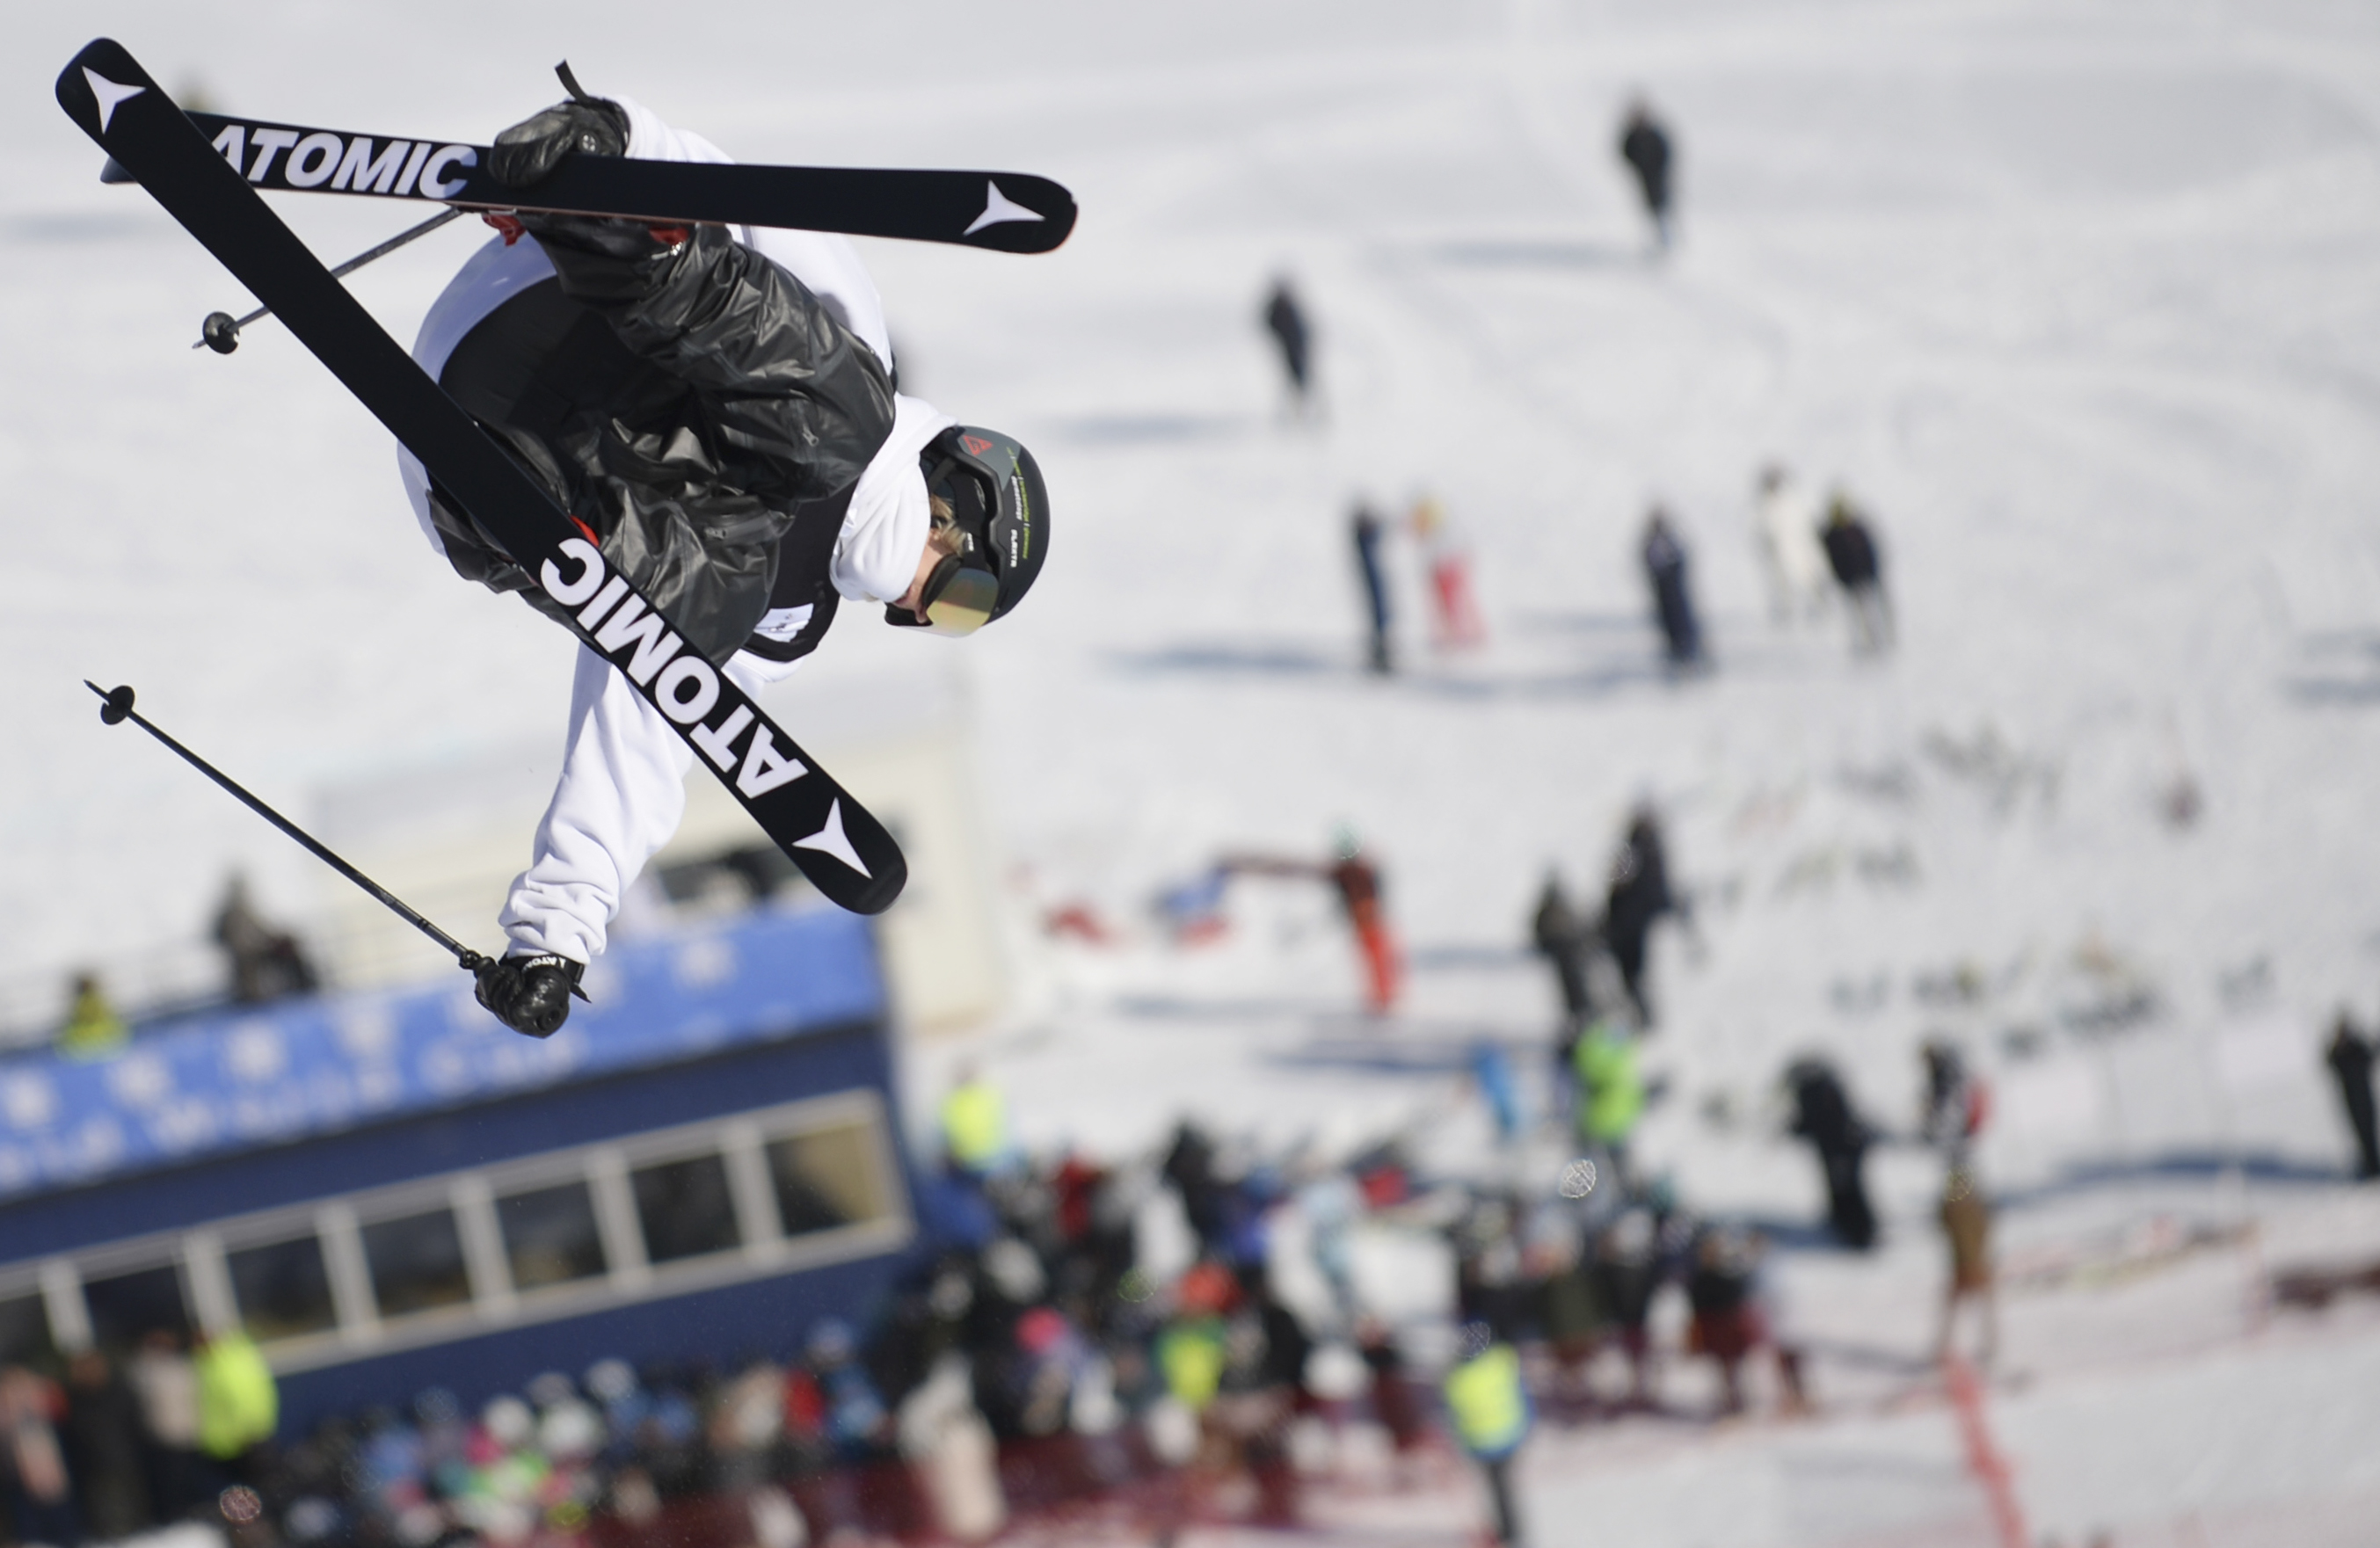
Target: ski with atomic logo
1005,212
838,845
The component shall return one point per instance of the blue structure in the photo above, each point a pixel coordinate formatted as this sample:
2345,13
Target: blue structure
391,1191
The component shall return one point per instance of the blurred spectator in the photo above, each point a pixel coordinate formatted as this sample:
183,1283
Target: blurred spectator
1560,937
42,1492
974,1125
239,1406
1490,1410
1454,623
1823,1115
1852,554
1785,530
168,1384
1285,320
1391,1394
1365,531
1491,1072
2349,1057
92,1028
1673,606
1638,895
1611,1094
1645,146
266,963
1967,1230
1727,1322
102,1438
1958,1102
1627,1272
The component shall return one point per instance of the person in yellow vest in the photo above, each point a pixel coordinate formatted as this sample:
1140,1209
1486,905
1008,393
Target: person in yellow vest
1610,1091
239,1406
93,1029
1491,1415
974,1125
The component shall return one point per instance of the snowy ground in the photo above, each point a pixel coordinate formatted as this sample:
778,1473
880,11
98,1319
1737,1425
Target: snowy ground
2076,297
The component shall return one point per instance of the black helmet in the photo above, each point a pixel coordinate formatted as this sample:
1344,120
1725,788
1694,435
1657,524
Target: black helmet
995,534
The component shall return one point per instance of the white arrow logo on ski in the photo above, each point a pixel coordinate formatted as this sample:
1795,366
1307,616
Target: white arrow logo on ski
999,207
110,95
830,839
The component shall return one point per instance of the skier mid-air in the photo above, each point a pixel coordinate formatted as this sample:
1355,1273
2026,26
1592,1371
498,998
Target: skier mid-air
714,408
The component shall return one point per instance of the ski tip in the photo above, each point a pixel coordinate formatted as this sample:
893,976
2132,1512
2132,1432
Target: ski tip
117,702
100,78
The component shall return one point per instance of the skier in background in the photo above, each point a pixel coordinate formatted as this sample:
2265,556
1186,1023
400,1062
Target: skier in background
1785,530
1357,882
1850,553
1455,621
2349,1057
1665,570
1285,320
1639,895
1365,531
1645,146
1823,1115
715,408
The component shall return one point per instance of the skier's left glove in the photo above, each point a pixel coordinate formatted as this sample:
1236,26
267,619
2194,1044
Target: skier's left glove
530,994
526,152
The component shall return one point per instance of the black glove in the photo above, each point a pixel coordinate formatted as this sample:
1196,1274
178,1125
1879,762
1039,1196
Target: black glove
530,994
526,152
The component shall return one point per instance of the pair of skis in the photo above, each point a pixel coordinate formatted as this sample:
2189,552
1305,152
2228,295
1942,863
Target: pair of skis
207,171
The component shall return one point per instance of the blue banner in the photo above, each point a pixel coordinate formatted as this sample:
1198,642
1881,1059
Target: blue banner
250,1076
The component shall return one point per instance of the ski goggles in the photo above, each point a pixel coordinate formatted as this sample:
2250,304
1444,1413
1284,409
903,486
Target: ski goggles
958,599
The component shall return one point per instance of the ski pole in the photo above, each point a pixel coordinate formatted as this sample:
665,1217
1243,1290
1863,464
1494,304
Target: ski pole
220,332
117,709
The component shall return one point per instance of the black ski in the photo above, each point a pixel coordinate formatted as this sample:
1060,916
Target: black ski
1007,211
837,843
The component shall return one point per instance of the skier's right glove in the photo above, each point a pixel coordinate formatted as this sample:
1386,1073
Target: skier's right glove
526,152
530,994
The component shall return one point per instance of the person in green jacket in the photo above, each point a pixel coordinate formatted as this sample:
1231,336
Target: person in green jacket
93,1029
1491,1415
239,1406
974,1125
1610,1091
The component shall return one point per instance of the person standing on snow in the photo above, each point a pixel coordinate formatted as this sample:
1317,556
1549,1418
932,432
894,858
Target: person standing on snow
1365,531
1456,621
1673,606
1639,895
1285,320
1357,882
1645,146
1561,939
1850,553
1785,531
2349,1057
714,408
1823,1115
1492,1417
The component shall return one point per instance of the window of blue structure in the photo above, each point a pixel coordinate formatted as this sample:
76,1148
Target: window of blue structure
828,1176
686,1207
417,1263
125,1308
551,1234
24,1330
283,1288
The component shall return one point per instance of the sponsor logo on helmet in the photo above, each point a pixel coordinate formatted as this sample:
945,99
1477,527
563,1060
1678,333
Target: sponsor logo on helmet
975,444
